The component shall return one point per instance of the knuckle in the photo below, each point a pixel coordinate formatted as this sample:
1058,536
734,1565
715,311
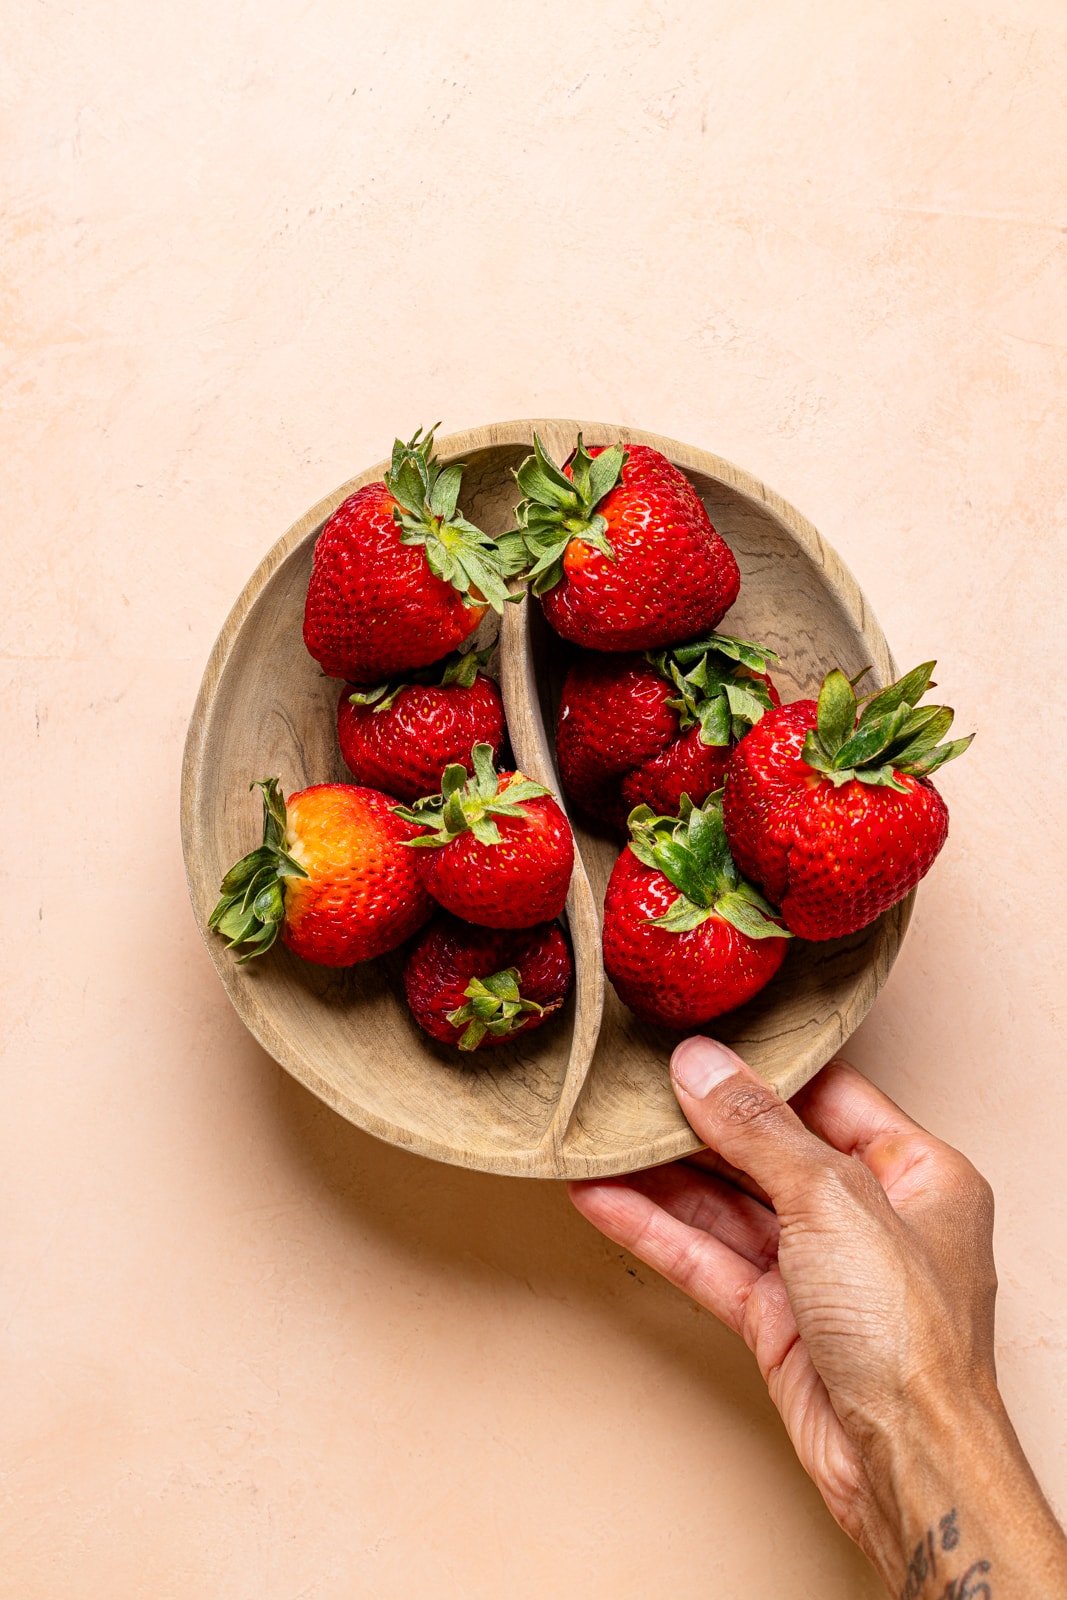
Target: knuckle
962,1180
688,1267
746,1105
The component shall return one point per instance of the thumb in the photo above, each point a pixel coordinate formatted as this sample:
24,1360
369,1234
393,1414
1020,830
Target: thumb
745,1121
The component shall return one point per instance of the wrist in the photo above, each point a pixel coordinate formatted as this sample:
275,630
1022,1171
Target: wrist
954,1503
941,1448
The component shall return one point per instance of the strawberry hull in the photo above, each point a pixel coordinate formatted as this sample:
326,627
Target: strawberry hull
677,980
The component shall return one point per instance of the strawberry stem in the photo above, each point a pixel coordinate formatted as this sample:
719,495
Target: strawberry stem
494,1005
458,669
718,685
692,853
457,552
556,509
892,734
469,803
252,908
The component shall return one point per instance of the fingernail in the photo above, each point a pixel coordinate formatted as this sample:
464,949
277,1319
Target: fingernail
699,1064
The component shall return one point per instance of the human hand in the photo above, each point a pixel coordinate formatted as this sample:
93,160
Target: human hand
853,1253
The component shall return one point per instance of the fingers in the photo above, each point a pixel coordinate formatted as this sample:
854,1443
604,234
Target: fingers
711,1161
697,1263
842,1107
741,1117
913,1166
751,1302
705,1202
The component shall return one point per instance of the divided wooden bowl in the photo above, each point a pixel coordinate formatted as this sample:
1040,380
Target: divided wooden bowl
588,1094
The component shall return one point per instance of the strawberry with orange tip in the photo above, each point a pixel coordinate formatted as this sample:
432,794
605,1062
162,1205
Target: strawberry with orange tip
331,876
497,849
829,806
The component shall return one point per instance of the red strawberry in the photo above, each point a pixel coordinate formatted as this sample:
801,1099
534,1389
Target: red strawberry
498,850
613,716
400,737
685,937
834,814
475,987
332,874
398,579
646,729
623,554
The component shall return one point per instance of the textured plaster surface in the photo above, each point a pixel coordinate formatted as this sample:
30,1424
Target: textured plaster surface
248,1352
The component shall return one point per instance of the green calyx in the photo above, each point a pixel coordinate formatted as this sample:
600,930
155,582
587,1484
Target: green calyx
892,733
457,670
716,689
252,907
494,1005
556,509
692,853
469,804
475,565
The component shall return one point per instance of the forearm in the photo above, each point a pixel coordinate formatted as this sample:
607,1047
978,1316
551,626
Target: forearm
959,1514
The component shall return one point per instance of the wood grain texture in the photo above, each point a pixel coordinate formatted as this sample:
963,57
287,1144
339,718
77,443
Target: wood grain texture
588,1094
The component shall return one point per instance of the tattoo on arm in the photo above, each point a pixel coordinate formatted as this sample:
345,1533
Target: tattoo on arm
927,1565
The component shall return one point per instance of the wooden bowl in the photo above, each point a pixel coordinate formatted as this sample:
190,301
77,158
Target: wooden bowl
588,1094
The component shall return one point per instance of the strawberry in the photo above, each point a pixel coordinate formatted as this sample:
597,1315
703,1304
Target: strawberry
398,578
402,735
497,849
833,812
620,548
685,937
332,874
646,729
476,987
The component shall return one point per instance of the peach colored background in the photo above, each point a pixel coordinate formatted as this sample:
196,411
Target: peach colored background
248,1352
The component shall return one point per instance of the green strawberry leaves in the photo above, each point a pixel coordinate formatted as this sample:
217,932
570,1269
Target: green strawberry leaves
890,735
692,852
252,905
836,709
494,1005
469,804
715,685
556,509
457,552
458,670
462,667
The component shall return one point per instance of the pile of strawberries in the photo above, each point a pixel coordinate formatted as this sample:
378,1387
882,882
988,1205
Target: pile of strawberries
748,822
